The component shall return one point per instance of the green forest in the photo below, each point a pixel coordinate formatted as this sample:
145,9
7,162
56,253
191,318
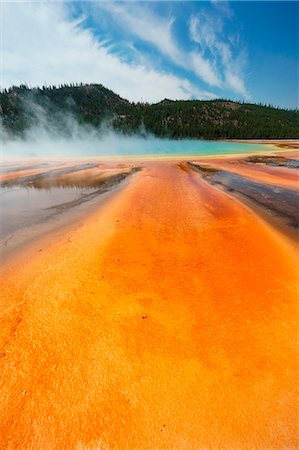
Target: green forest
53,107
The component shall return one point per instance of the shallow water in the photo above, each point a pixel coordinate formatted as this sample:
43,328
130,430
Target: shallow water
114,145
33,201
183,147
21,207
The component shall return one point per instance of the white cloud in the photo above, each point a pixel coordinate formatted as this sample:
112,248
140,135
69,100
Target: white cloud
54,49
228,59
151,28
223,6
140,21
41,45
203,28
204,69
235,83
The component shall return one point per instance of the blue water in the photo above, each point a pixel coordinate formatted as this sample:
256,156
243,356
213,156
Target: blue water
163,147
115,145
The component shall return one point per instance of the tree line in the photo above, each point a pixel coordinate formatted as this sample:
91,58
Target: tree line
92,104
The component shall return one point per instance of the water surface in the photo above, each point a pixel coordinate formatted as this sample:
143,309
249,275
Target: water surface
115,145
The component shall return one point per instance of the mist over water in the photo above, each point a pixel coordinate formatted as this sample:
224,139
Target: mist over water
60,135
112,144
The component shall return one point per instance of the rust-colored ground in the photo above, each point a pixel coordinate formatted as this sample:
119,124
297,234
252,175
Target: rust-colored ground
164,320
281,176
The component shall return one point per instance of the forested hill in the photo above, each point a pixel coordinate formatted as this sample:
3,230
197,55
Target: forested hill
55,108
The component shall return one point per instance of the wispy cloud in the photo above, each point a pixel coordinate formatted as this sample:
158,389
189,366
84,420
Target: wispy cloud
204,69
224,7
223,51
42,45
139,20
55,48
213,62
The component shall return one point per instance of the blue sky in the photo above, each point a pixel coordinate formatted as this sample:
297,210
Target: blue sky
146,51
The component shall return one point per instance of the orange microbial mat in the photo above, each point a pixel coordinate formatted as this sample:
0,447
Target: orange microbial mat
162,317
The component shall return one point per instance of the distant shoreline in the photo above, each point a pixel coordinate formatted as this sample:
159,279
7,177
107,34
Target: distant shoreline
274,146
287,144
265,141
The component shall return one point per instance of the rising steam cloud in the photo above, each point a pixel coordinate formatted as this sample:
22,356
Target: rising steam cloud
57,133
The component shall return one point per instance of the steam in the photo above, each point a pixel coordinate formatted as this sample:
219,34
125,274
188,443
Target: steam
56,133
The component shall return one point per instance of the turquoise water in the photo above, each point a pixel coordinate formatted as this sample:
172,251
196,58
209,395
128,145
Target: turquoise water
161,147
115,145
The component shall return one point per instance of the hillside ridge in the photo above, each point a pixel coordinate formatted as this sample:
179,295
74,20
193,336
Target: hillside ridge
52,107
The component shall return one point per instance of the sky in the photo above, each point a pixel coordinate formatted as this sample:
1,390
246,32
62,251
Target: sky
148,51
